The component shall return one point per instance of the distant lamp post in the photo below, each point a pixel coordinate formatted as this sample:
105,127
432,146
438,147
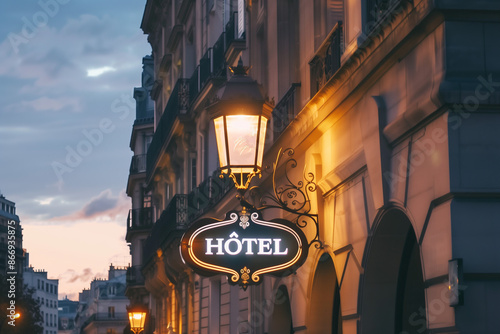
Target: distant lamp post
137,318
240,113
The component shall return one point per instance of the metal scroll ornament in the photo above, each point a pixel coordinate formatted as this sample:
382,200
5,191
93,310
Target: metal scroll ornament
292,197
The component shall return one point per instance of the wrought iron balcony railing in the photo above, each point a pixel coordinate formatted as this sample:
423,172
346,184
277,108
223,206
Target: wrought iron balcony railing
286,110
134,276
138,164
173,218
184,209
327,59
207,194
177,104
212,65
140,218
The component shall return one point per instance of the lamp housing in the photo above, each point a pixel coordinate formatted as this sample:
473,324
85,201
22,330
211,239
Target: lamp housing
240,114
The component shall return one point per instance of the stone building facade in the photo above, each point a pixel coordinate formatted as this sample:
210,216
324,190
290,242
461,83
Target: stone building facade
393,106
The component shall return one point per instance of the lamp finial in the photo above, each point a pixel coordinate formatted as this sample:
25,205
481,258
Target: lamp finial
240,69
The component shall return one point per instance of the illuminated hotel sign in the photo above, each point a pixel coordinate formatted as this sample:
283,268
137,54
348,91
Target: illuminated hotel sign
244,247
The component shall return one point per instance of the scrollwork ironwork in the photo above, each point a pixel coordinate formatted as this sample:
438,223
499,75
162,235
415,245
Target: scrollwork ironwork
292,197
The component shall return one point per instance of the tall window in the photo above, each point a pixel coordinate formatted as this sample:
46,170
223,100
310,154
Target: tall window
288,45
146,199
111,312
326,14
194,182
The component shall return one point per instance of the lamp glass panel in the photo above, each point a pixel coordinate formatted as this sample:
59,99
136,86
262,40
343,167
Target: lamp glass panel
137,319
221,142
262,140
242,140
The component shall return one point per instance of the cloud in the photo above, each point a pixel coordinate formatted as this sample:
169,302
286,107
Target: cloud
46,103
59,57
95,72
101,204
103,207
45,201
71,276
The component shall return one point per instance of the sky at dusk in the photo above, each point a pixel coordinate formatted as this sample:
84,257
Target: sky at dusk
67,73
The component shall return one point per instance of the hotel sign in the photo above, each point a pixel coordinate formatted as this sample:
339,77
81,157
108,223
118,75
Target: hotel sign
244,247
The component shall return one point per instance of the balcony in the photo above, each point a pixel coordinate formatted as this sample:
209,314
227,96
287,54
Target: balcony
327,59
138,164
212,66
140,219
286,110
134,276
207,194
105,317
173,218
235,42
185,209
177,104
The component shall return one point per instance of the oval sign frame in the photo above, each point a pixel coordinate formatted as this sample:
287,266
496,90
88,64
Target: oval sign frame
244,247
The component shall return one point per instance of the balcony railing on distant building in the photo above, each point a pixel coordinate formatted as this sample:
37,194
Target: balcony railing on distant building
185,209
142,121
213,63
134,276
140,218
327,59
173,218
207,194
286,110
212,66
177,104
138,164
105,317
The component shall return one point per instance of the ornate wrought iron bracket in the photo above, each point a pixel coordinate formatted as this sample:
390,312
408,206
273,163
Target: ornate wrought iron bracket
292,197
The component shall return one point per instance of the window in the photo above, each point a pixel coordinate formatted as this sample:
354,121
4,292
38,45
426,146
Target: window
38,284
147,142
51,289
193,174
111,312
146,199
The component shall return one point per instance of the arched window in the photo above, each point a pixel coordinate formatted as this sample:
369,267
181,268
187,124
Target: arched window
393,298
281,319
324,314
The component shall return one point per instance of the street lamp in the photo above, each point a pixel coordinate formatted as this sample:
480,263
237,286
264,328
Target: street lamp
240,114
137,318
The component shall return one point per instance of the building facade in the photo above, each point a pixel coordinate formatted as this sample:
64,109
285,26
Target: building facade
392,106
102,309
140,218
11,233
66,313
45,293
